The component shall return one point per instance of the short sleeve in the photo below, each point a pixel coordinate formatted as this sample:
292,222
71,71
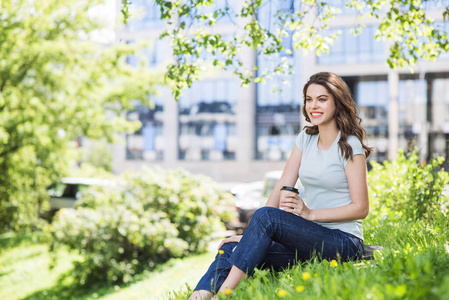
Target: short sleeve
356,146
300,140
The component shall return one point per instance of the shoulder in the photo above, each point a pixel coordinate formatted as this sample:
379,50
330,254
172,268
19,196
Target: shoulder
357,149
356,145
303,140
354,141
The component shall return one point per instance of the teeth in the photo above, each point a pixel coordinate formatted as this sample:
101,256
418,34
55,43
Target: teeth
315,114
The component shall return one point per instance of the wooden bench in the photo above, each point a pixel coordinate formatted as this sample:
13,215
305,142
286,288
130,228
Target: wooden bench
369,251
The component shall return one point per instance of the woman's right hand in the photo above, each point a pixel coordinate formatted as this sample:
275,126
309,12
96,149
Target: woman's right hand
231,239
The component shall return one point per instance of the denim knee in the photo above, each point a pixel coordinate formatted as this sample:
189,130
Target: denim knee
262,211
262,215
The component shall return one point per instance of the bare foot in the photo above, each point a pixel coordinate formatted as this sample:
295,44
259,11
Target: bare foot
201,295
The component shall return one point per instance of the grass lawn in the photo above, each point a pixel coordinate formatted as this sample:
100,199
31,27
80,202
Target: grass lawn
174,275
414,264
25,273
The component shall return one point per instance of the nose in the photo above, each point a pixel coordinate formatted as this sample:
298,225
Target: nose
314,103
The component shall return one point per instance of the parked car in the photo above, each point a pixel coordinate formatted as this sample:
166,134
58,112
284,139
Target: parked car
69,190
251,196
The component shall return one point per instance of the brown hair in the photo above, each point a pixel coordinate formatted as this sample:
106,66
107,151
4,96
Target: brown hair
348,121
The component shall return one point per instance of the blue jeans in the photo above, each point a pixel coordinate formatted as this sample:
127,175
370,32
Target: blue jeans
278,239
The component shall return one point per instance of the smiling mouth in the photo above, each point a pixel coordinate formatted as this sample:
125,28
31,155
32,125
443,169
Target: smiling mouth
316,114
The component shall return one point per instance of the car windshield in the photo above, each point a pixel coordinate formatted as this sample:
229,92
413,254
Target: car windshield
62,190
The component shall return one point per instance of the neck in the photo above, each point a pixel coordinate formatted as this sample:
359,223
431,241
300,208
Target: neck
328,134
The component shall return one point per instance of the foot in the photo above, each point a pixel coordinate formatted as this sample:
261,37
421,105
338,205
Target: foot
201,295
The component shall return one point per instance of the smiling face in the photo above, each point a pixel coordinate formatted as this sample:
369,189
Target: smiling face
320,105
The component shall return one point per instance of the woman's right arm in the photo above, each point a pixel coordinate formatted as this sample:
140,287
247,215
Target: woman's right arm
289,176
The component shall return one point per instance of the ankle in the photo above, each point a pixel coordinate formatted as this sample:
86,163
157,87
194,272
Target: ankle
201,295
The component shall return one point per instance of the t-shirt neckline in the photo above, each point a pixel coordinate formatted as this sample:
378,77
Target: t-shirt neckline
335,142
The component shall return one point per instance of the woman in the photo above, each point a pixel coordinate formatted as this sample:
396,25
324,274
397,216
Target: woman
330,159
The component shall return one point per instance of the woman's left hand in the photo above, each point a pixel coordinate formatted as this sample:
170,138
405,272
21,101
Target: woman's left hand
292,203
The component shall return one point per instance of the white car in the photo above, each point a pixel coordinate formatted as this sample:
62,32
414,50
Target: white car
251,196
69,190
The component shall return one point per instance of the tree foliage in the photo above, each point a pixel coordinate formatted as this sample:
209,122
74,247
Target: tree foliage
55,86
191,26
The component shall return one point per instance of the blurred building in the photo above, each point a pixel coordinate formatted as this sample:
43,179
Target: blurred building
235,133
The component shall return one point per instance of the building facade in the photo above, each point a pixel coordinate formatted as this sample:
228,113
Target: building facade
235,133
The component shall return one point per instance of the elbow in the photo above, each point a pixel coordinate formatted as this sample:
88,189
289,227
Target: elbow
364,212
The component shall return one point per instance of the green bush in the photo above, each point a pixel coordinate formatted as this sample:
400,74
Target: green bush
405,188
145,219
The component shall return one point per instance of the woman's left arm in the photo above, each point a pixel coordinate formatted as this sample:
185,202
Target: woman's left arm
357,175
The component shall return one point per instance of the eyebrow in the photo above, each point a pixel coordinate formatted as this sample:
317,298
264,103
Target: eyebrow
318,96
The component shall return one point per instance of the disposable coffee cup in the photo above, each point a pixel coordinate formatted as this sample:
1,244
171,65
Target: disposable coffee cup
287,189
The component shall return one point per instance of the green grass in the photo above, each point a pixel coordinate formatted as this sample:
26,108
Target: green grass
413,265
25,266
175,275
26,273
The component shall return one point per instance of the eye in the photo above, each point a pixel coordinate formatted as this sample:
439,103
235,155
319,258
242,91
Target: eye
308,100
322,99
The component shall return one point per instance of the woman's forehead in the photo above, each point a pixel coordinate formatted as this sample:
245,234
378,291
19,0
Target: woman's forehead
316,90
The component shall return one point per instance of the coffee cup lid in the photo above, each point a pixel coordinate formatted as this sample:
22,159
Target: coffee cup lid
289,188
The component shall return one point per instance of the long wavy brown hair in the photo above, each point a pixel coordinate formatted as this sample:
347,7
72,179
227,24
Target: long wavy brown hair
346,115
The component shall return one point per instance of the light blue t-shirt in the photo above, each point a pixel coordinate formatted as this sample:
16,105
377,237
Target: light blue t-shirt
322,173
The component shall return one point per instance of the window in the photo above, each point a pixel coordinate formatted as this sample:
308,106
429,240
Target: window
157,53
209,96
284,99
207,140
287,43
207,121
341,4
146,15
275,141
354,49
440,4
372,99
286,5
444,26
147,142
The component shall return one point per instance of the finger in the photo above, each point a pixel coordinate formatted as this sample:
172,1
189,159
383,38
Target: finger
292,198
289,200
292,195
294,210
285,207
289,204
222,243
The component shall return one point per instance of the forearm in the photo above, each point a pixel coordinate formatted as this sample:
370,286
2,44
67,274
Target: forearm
289,177
348,212
273,200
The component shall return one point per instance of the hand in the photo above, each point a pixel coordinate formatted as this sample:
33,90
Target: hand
231,239
292,203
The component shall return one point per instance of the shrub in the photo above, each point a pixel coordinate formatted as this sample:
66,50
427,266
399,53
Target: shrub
406,188
147,218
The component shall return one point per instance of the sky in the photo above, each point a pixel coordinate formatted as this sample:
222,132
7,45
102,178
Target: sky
106,13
